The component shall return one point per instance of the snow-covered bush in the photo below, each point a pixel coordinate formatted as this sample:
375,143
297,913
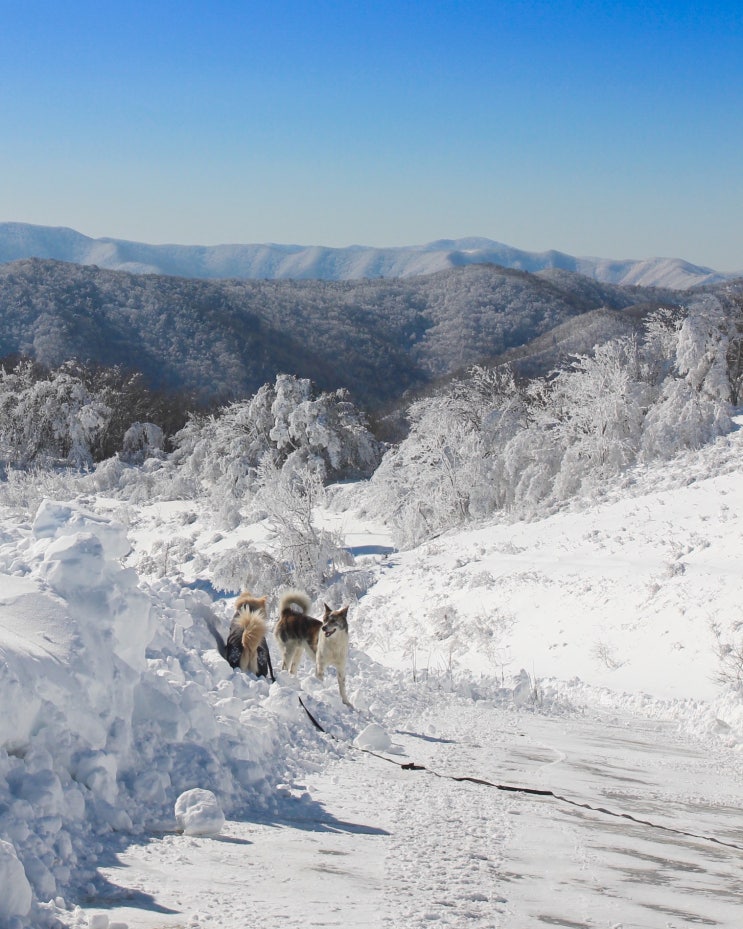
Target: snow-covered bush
694,402
288,497
219,455
441,474
48,420
142,440
599,403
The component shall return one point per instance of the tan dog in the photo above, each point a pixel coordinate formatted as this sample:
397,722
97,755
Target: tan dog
325,641
246,646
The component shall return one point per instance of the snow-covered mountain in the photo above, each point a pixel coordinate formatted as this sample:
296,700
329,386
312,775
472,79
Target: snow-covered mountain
21,240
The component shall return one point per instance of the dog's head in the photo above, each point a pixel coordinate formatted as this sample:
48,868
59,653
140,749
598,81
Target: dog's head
334,620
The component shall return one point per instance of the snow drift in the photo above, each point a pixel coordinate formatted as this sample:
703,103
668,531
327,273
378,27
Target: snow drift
107,718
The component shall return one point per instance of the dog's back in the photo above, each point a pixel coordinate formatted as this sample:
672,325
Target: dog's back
295,630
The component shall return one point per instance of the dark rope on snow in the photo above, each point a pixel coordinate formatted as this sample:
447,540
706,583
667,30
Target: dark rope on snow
528,791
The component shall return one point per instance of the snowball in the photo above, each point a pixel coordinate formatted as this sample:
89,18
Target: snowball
98,921
198,812
374,738
15,890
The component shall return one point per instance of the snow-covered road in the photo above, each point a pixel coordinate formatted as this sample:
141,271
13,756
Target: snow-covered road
365,843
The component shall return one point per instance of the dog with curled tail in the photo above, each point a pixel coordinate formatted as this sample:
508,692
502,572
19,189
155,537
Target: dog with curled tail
324,640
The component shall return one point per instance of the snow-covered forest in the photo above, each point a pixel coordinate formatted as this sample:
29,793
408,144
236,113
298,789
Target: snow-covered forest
127,518
216,341
485,442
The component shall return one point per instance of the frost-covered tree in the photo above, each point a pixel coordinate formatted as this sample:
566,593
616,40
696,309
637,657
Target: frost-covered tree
326,428
694,403
441,474
288,498
735,347
285,423
599,403
47,420
142,440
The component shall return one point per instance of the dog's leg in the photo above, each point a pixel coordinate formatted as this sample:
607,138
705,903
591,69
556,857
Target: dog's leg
321,660
296,657
342,687
311,653
288,656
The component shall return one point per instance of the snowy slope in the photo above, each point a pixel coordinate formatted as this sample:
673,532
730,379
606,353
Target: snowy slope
600,593
19,240
548,634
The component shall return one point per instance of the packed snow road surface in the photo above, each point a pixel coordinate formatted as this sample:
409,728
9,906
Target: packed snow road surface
365,843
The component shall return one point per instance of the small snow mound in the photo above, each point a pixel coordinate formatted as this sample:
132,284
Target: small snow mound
198,812
374,738
15,890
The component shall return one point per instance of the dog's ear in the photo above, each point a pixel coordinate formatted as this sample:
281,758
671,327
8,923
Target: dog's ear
342,613
328,611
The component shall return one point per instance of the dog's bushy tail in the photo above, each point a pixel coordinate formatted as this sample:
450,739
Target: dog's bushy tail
254,627
294,598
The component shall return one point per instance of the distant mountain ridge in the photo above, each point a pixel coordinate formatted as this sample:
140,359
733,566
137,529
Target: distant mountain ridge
21,240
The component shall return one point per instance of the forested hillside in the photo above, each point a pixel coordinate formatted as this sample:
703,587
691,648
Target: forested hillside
222,340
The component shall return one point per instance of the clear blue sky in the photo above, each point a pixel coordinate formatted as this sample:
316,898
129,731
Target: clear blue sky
609,129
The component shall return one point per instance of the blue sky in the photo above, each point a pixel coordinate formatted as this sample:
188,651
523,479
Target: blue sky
595,128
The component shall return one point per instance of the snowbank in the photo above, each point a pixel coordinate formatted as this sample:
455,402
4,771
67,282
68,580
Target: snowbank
114,706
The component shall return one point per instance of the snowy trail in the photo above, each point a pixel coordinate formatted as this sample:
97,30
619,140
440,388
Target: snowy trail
567,866
365,843
320,863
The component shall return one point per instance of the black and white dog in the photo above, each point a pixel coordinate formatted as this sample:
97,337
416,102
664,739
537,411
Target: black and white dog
246,647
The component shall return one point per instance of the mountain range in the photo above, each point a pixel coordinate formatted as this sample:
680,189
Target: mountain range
270,261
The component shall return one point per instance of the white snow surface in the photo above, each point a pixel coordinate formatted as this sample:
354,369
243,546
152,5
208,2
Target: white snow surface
577,654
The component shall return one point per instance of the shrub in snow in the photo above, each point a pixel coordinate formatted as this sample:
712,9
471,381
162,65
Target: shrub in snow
141,440
441,474
15,890
526,691
288,498
248,567
198,812
694,403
